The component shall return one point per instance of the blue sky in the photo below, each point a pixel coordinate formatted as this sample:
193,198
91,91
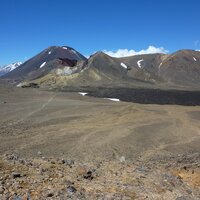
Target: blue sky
29,26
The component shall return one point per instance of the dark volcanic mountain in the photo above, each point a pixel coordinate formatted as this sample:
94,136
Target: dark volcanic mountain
182,68
54,57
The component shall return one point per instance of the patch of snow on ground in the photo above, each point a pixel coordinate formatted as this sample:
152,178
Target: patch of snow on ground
65,48
43,64
194,59
49,52
139,63
112,99
19,85
83,93
124,66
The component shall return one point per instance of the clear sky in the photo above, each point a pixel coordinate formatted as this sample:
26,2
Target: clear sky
29,26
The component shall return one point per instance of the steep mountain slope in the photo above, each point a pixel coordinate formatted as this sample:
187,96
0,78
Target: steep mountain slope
8,68
182,68
41,64
100,70
144,67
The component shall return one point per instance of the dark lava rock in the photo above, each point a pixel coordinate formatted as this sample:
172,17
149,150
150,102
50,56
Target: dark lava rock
50,194
16,175
88,175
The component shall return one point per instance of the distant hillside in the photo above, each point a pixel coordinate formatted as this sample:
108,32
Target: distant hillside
8,68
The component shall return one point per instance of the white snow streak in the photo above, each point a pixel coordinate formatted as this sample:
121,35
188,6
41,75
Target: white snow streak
194,59
112,99
43,64
124,66
139,63
83,93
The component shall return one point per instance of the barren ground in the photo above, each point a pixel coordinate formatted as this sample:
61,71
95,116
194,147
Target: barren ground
132,147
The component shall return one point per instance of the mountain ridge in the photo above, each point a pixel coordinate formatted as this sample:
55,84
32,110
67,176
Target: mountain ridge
70,68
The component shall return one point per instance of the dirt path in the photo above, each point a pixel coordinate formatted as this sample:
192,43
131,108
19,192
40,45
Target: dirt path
37,110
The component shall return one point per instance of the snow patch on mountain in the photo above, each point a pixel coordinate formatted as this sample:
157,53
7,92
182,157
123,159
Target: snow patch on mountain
83,93
43,64
8,68
124,65
139,63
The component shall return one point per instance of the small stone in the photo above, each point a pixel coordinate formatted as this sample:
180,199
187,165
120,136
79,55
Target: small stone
71,189
39,153
68,162
122,159
50,194
16,175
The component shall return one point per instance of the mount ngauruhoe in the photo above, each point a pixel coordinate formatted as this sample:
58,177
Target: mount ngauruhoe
59,67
